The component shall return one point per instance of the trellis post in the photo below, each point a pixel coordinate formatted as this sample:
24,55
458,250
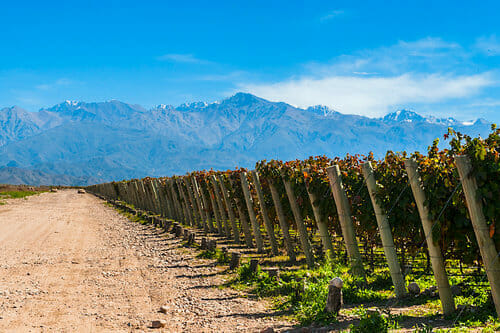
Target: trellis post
345,217
486,245
385,233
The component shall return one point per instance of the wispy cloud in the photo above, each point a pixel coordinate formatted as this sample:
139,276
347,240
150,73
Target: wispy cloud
331,15
425,55
58,83
374,82
183,58
489,45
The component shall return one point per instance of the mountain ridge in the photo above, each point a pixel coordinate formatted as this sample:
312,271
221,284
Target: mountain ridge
115,140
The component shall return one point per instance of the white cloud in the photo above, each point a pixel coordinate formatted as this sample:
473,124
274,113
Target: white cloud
332,14
182,58
489,45
371,96
429,71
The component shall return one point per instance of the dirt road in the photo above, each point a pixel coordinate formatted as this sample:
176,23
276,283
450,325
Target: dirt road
68,263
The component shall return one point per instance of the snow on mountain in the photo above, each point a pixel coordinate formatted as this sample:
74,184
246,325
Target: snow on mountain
403,116
115,140
411,116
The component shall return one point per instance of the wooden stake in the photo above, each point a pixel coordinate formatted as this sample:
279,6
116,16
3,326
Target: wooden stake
263,210
194,205
222,214
385,233
320,221
230,212
243,219
285,228
251,213
437,260
202,212
301,228
486,245
346,224
220,204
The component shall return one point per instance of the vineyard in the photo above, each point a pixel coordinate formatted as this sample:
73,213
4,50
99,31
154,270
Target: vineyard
409,217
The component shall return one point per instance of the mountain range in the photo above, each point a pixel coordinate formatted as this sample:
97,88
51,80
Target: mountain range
78,143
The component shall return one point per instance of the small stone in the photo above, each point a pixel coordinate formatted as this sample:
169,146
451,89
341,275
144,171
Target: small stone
164,308
158,323
413,288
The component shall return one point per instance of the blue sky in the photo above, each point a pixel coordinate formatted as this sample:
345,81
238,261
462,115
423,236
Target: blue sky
369,58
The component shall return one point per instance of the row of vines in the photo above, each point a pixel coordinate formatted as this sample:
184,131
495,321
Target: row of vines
307,209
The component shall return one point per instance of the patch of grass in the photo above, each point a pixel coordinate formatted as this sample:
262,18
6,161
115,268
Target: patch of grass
302,294
217,254
16,195
374,321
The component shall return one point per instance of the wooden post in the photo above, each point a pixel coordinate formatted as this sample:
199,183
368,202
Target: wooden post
142,195
148,196
235,260
263,210
183,212
169,199
194,204
166,199
481,230
243,219
251,213
221,212
227,229
304,240
162,204
230,212
344,212
187,211
437,260
155,197
210,222
285,228
138,203
385,233
215,210
202,212
175,198
189,203
322,226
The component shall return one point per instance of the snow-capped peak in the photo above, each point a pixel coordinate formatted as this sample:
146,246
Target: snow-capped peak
322,110
190,106
403,115
71,103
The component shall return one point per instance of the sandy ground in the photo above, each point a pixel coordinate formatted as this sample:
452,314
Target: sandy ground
68,263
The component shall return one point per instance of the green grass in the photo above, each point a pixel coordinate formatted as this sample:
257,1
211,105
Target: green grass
218,255
301,293
15,195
